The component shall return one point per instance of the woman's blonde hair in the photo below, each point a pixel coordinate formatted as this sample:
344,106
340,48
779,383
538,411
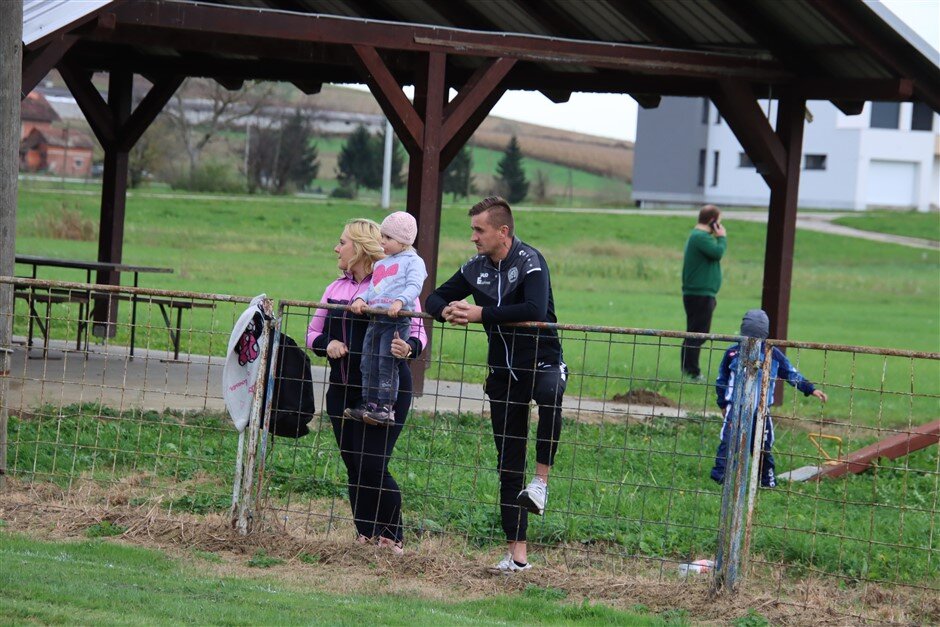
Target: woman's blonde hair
365,236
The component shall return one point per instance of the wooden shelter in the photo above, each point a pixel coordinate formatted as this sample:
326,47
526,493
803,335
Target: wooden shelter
846,51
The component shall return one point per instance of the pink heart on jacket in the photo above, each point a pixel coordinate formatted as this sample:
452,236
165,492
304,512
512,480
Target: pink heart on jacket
381,272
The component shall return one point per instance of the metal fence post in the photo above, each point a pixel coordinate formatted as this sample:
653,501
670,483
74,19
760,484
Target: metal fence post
734,494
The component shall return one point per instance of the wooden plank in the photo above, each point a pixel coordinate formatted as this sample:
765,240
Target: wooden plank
893,447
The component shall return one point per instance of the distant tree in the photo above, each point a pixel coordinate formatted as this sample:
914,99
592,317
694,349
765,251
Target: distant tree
540,186
297,162
355,165
153,150
509,173
361,160
202,107
398,162
458,179
280,159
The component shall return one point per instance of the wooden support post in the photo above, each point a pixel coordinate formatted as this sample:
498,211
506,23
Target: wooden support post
113,201
425,179
781,222
433,131
11,43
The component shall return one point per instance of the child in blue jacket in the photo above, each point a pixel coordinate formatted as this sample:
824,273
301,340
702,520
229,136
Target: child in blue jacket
395,285
755,324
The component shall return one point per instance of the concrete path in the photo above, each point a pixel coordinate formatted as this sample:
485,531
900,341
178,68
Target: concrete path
152,380
821,221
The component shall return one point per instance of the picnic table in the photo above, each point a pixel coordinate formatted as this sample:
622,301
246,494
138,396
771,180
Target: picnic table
105,299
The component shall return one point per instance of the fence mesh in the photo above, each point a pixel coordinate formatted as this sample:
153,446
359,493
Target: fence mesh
630,489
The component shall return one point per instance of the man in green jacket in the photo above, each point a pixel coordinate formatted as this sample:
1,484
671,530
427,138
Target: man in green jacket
701,280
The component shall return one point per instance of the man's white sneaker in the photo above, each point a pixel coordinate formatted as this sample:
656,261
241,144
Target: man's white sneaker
534,496
507,565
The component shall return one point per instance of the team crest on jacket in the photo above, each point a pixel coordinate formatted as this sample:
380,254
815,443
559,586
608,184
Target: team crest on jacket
513,274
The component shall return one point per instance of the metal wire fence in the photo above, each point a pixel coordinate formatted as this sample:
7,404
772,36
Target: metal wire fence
630,489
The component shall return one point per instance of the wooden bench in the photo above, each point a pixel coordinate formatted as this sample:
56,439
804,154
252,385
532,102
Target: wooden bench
51,297
166,305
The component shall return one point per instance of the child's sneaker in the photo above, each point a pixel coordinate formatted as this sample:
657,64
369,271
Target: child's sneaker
358,413
381,415
507,565
534,496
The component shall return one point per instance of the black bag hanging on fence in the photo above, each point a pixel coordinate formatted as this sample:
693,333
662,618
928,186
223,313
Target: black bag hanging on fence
292,405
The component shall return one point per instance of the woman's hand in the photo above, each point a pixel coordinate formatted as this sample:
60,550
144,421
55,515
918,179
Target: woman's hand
400,348
336,349
821,395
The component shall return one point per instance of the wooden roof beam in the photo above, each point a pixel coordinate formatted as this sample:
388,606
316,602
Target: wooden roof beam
139,17
385,88
93,106
37,63
147,110
747,120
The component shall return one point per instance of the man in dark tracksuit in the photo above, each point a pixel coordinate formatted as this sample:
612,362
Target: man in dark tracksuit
509,282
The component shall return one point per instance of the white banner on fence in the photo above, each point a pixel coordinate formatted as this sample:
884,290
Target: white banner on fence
243,359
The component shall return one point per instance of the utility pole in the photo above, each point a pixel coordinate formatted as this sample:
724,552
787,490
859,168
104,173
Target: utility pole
387,168
11,62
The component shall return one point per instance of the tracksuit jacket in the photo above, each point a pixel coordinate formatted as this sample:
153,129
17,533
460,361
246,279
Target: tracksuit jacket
517,289
779,367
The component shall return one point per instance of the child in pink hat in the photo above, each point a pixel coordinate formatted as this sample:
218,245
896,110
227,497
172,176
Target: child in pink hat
396,284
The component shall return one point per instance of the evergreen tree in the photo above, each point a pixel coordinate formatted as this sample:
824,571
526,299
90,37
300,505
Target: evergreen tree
356,165
458,179
298,160
361,160
510,174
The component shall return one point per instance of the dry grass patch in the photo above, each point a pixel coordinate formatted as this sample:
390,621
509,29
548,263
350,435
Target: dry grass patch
444,568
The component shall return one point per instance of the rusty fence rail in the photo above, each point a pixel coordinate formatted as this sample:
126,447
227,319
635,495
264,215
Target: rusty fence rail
630,490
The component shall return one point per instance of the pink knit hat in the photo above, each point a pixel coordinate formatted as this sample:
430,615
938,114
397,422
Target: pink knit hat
401,227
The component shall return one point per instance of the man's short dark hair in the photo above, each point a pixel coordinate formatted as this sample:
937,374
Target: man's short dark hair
708,214
497,211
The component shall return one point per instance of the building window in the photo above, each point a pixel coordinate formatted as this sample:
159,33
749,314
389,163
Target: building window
921,117
715,169
702,156
744,161
706,109
78,163
717,116
885,114
814,162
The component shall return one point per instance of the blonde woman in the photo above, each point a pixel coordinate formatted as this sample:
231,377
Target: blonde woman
338,334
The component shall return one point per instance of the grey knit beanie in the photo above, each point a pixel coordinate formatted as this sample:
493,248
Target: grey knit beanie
755,324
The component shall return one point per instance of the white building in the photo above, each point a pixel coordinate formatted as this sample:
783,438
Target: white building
888,156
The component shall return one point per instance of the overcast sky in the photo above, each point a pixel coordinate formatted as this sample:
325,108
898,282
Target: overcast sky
614,115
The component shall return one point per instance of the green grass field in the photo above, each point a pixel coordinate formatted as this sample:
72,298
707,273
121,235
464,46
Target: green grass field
908,224
637,490
606,270
99,582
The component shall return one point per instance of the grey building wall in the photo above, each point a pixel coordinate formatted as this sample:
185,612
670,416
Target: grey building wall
668,141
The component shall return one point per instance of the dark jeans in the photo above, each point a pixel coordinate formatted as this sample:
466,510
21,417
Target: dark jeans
379,366
698,317
366,451
509,412
767,465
